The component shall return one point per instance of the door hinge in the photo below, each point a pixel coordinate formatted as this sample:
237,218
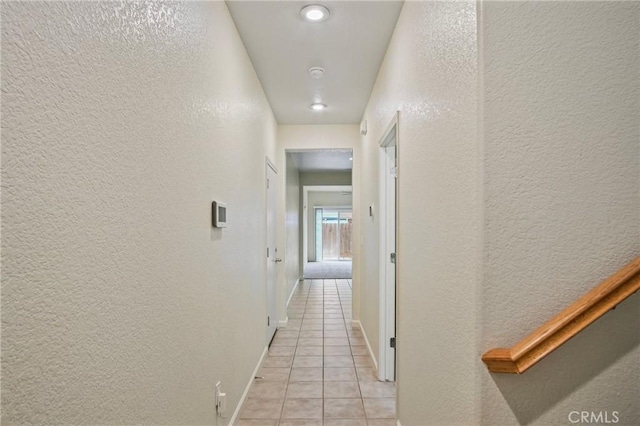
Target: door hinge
267,183
393,258
267,252
268,321
392,342
394,172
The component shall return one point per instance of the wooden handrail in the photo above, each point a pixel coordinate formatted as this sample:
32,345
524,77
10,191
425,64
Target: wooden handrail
567,323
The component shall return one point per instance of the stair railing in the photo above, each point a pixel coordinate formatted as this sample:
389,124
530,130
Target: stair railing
575,318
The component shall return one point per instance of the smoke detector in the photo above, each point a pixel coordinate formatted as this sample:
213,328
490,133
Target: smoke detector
316,72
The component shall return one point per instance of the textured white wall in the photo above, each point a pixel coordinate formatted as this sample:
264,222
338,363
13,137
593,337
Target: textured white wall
319,199
429,74
292,230
309,136
121,122
562,200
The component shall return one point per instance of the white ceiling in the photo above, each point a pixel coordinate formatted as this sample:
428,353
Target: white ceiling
350,46
322,160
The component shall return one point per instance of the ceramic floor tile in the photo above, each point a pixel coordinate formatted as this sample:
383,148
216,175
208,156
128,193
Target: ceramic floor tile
277,361
357,341
336,341
337,351
341,390
297,390
345,422
359,350
362,361
311,328
307,361
343,408
267,390
281,350
339,374
335,333
261,422
302,409
261,409
306,334
366,374
314,341
300,423
309,351
284,341
381,422
274,374
338,361
371,389
306,375
380,408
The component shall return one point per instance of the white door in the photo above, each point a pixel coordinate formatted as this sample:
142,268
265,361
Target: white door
272,253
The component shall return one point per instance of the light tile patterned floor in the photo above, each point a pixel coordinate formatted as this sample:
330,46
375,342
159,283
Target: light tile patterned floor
318,371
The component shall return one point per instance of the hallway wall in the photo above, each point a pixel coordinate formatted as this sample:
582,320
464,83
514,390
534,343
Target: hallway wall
292,253
429,74
121,123
519,168
562,200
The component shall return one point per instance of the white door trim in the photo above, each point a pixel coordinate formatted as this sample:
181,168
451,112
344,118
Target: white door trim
388,275
305,211
272,252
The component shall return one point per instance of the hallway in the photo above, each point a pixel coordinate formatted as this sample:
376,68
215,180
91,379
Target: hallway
318,371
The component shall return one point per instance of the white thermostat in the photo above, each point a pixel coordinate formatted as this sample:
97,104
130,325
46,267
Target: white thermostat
219,213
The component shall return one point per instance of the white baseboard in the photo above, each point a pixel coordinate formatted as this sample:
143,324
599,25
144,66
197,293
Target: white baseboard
398,423
246,389
284,323
293,290
364,334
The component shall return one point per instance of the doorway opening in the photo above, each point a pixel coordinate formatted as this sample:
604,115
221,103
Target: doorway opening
327,231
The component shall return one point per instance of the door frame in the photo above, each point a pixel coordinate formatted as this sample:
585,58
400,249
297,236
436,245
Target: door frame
388,277
272,323
338,209
305,211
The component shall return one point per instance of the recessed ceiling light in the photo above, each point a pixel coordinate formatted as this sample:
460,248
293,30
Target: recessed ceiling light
315,13
317,106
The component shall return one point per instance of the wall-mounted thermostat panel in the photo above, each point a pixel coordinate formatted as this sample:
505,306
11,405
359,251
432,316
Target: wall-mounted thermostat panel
219,213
